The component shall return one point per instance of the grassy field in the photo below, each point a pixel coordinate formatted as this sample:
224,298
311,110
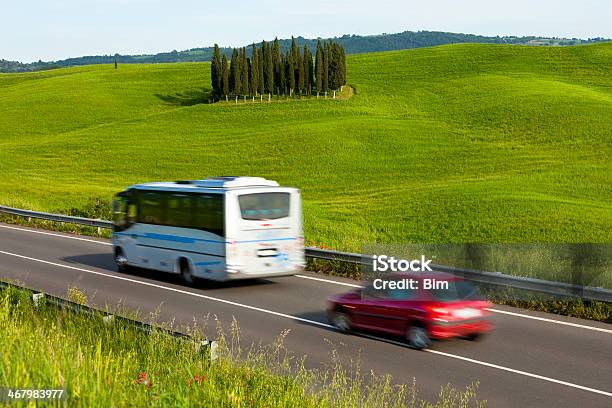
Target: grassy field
102,365
461,143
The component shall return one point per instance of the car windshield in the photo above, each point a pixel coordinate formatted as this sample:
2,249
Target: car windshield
264,206
457,290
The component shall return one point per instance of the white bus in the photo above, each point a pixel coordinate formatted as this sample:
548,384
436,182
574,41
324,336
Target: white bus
220,228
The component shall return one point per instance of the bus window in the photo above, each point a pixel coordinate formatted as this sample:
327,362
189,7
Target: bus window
132,213
264,206
120,204
151,210
209,214
179,210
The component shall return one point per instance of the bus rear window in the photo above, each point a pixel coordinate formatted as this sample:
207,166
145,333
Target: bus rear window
264,206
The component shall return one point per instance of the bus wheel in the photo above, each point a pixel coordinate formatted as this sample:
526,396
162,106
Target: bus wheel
121,261
186,272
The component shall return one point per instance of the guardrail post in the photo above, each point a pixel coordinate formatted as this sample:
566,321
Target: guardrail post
36,298
210,345
213,350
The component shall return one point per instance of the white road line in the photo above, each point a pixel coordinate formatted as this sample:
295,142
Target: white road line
185,292
352,285
498,367
56,235
525,373
313,322
582,326
525,316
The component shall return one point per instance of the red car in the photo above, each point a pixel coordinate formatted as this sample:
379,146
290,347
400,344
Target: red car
427,310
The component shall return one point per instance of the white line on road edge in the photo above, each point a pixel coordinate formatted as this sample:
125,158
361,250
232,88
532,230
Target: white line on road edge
185,292
352,285
525,373
313,322
57,235
582,326
511,370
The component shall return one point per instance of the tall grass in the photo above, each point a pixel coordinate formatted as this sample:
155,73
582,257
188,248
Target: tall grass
105,365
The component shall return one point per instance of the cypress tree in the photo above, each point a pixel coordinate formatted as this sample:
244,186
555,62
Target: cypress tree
333,65
325,67
319,67
235,82
341,66
260,65
244,65
300,80
254,78
294,50
224,76
278,69
215,72
269,69
307,70
290,72
281,86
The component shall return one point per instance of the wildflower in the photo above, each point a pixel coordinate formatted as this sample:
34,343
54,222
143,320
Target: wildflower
143,379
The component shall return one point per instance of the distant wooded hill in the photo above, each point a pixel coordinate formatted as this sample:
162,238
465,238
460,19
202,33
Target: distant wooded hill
353,44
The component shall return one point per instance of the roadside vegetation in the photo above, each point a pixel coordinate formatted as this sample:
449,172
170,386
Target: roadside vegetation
100,364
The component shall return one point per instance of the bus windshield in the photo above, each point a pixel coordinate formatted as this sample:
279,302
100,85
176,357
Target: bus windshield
264,206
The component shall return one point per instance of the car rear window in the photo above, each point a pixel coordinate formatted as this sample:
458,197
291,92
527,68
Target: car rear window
264,206
457,290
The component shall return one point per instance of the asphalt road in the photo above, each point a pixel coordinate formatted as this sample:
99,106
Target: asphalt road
530,360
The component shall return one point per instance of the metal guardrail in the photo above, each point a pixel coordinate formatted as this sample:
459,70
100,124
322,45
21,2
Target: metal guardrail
562,289
56,217
37,297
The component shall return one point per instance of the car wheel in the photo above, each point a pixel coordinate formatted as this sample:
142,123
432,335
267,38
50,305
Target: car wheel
341,321
418,337
121,262
186,272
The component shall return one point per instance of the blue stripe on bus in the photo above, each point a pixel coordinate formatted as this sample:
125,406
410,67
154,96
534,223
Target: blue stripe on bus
189,240
208,263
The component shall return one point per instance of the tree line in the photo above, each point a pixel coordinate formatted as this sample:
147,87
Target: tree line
264,69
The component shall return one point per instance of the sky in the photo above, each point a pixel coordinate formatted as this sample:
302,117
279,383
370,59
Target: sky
56,29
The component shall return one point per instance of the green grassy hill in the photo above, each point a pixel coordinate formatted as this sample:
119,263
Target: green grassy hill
457,143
